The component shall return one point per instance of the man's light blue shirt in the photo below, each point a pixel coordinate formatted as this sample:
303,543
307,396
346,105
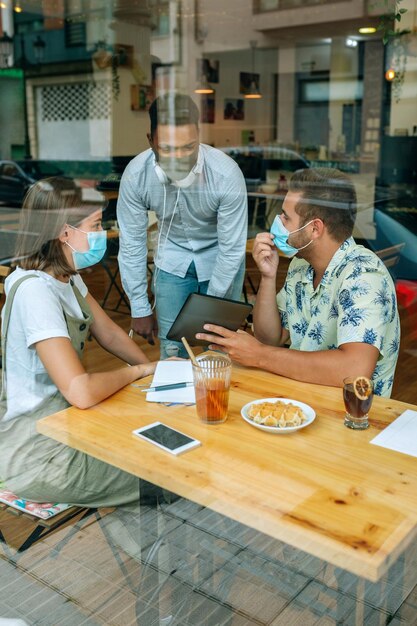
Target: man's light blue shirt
208,227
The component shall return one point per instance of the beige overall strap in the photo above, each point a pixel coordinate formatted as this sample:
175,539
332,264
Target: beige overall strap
84,306
5,326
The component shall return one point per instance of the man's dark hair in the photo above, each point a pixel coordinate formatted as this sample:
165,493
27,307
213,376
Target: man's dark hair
329,195
174,109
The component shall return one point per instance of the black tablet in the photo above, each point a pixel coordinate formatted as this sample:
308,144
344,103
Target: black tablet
200,309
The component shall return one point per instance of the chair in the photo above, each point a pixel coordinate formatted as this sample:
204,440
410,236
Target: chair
21,530
4,271
113,238
252,275
406,291
391,255
113,272
268,200
249,267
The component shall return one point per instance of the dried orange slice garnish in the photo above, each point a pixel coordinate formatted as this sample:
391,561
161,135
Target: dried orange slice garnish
362,387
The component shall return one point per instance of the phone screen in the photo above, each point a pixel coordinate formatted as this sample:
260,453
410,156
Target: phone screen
166,436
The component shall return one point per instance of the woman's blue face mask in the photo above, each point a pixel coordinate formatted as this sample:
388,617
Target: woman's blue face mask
281,235
97,245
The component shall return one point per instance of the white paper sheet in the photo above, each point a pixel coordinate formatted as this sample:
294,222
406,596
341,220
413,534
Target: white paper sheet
168,372
401,435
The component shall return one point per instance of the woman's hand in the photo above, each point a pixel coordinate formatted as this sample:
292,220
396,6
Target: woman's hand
146,369
265,255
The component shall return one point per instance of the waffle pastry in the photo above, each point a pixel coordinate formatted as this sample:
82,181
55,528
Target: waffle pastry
279,414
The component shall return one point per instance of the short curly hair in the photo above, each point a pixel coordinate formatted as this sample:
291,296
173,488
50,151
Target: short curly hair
328,194
175,109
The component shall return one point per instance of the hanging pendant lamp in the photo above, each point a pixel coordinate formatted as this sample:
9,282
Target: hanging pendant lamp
203,86
253,93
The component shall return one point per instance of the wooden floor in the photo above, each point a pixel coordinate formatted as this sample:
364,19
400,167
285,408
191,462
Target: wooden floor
405,387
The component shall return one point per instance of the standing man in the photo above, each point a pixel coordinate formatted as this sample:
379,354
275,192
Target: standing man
337,309
199,196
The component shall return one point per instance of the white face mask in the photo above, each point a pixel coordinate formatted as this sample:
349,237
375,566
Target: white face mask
180,172
177,169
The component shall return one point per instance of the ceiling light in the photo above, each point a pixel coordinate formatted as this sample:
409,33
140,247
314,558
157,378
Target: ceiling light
17,7
203,86
3,5
367,30
253,92
351,43
390,74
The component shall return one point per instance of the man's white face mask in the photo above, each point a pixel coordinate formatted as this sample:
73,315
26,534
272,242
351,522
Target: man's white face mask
177,168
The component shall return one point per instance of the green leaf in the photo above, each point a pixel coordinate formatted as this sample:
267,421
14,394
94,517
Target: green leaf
398,17
402,11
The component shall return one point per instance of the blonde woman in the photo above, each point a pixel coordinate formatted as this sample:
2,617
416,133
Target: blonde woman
45,322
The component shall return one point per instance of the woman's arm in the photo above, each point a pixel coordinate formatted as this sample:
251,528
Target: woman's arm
76,385
113,338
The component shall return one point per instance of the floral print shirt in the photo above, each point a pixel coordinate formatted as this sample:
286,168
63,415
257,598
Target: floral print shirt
354,302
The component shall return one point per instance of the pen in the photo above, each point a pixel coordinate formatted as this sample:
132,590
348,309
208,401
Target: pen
168,387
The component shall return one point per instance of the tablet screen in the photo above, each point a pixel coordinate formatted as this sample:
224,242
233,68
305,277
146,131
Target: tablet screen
200,309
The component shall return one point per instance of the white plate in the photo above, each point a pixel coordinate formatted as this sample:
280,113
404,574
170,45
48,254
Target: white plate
308,412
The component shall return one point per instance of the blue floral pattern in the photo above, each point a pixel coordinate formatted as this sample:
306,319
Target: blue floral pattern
354,302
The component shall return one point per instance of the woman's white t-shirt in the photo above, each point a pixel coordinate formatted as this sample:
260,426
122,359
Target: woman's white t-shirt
36,315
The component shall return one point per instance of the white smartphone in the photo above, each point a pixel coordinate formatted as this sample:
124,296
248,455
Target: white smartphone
167,438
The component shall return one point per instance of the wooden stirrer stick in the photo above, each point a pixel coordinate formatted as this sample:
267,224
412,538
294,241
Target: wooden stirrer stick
190,352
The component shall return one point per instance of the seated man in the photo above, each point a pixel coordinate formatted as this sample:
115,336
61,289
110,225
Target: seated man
338,306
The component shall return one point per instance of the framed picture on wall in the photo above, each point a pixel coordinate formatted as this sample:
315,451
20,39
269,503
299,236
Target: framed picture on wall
234,109
208,109
208,68
245,80
141,97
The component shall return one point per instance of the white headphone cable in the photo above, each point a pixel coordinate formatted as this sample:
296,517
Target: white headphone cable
157,269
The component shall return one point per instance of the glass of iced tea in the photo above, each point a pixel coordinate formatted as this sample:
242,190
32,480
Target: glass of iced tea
212,382
358,393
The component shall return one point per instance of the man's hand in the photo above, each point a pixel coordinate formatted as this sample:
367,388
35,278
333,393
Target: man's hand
146,327
266,255
240,346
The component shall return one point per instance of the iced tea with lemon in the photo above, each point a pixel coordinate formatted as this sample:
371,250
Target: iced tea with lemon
357,396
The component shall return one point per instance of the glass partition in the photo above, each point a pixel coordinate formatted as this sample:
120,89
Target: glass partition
280,85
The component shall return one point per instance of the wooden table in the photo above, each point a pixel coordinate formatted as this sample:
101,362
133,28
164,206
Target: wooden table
324,489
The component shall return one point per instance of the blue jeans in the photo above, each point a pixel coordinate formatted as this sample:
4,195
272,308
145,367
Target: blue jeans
171,292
